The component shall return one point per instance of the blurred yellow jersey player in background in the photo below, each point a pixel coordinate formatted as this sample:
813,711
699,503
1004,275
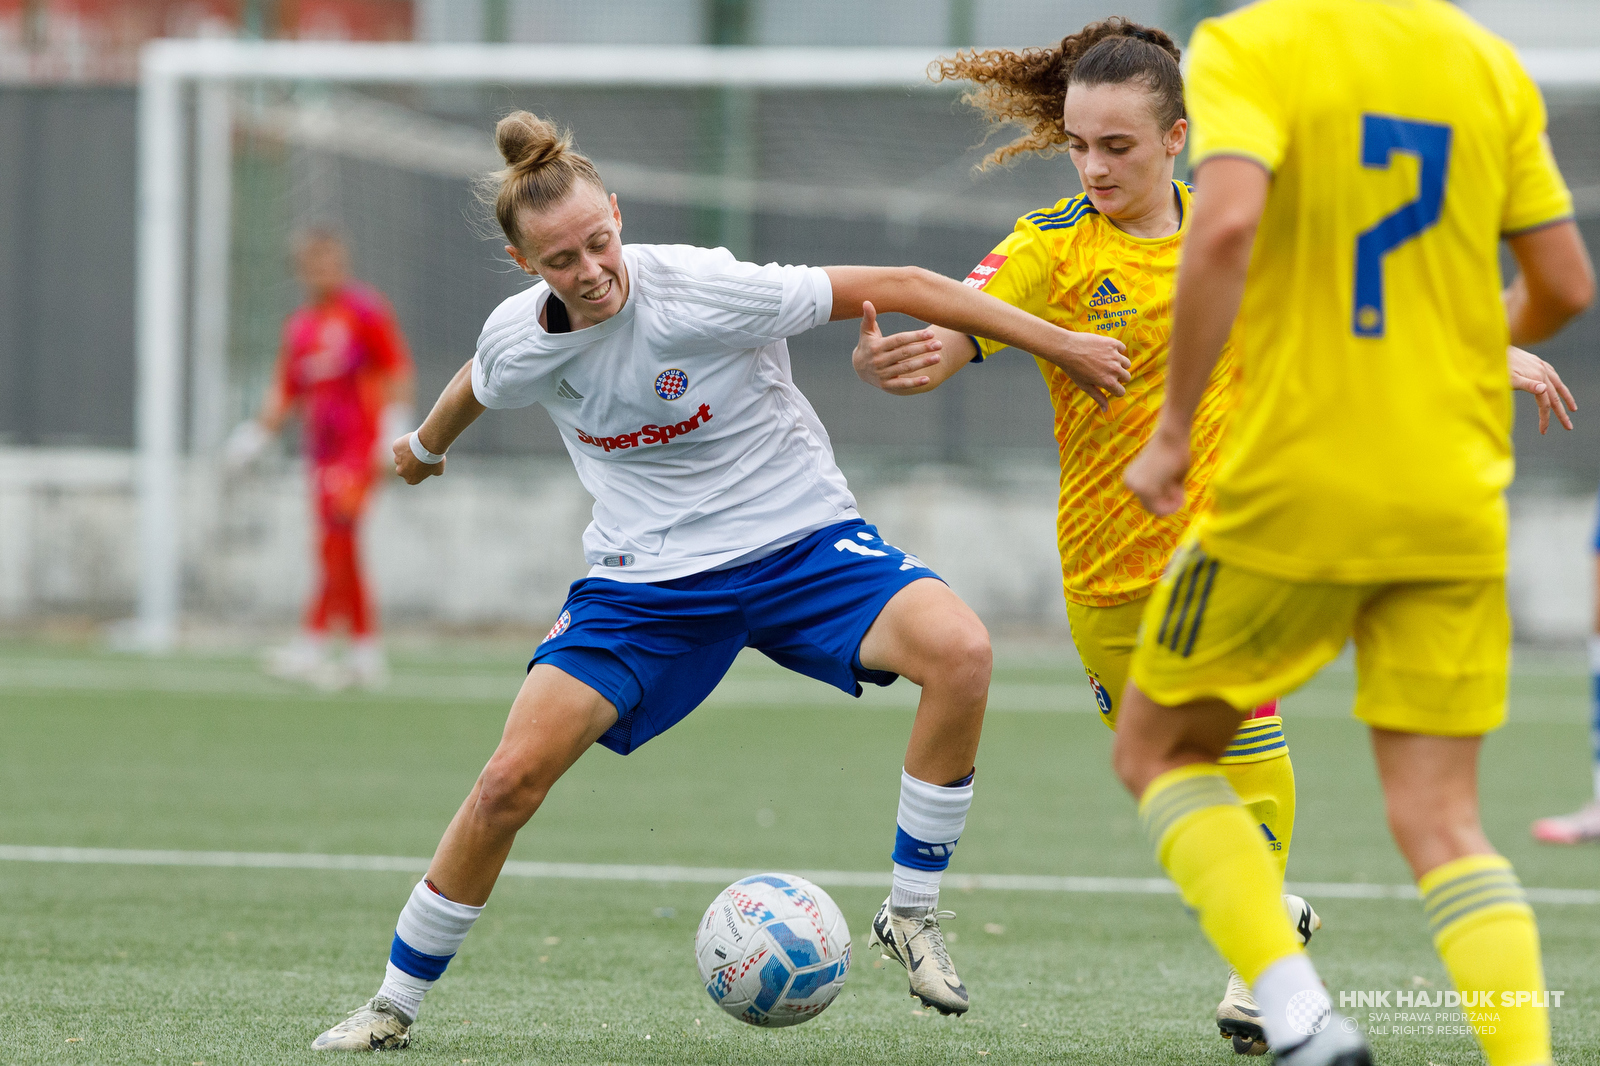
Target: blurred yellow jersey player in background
1106,263
1357,164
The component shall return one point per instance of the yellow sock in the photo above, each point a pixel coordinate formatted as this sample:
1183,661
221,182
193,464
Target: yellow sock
1219,861
1258,767
1484,931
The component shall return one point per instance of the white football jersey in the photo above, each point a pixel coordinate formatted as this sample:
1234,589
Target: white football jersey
680,413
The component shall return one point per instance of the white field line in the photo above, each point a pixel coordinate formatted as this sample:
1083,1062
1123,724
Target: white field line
709,875
500,686
742,688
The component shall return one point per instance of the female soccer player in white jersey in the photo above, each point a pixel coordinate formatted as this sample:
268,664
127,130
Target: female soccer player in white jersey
720,522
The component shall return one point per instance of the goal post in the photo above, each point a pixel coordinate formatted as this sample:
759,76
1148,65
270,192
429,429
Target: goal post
189,111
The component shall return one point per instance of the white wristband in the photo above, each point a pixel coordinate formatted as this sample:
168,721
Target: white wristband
424,455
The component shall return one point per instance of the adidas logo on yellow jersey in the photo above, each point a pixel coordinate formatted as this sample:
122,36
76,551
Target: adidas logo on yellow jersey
1107,293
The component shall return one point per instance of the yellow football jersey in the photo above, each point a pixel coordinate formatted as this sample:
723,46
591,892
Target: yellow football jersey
1372,436
1072,267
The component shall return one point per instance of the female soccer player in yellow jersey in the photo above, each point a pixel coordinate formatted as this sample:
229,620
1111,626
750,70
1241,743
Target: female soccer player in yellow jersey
1357,166
1106,262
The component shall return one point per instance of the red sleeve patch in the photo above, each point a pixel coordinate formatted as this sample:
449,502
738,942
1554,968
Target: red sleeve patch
985,270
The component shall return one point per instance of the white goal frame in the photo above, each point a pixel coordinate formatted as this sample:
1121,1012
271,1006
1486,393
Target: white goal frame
170,68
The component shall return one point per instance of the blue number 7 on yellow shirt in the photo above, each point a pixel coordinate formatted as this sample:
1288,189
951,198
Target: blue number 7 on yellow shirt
1381,137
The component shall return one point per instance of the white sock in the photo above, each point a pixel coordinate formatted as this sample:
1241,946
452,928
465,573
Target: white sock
1275,991
929,824
427,936
915,888
404,991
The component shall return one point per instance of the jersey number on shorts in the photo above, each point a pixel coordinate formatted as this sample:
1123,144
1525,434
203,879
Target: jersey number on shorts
1381,137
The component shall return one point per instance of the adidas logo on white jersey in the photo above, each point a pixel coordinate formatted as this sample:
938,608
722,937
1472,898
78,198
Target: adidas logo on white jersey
567,392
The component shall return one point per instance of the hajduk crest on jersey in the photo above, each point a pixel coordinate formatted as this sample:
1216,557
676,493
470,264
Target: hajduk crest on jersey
671,384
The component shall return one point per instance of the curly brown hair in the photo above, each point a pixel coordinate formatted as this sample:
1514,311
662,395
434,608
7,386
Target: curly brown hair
1029,88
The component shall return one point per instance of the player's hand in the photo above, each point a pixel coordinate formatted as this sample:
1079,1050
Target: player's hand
1098,365
245,445
1156,473
409,467
892,363
1533,375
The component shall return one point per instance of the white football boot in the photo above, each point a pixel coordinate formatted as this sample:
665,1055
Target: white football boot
911,937
299,660
1238,1017
1579,827
378,1026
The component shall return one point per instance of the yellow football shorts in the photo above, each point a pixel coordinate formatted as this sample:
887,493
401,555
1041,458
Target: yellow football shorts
1105,638
1431,656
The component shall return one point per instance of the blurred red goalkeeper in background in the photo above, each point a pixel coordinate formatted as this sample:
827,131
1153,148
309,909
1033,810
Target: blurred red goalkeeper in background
345,367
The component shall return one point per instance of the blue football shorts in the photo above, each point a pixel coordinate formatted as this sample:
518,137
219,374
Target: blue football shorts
656,650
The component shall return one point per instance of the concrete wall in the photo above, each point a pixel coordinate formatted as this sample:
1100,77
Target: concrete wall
498,541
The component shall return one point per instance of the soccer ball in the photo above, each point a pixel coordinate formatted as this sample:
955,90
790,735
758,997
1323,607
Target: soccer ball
773,950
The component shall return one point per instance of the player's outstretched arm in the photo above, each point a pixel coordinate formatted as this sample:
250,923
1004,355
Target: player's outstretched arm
1556,283
908,363
1230,195
1098,365
456,409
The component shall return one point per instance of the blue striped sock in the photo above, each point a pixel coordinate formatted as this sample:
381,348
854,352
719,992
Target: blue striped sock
427,936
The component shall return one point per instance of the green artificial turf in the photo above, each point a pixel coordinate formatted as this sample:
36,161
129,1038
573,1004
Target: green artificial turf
135,964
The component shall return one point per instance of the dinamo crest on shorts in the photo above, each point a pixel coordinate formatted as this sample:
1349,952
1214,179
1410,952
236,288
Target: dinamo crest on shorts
1101,696
671,384
561,626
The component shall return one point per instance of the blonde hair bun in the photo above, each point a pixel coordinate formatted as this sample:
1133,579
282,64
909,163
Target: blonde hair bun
527,142
541,168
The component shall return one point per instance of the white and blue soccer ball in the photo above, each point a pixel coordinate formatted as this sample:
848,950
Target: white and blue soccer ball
773,950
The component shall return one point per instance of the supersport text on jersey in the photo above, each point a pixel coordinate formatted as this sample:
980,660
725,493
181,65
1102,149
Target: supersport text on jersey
650,433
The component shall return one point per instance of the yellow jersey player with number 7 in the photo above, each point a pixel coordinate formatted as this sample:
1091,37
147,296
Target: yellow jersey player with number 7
1357,165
